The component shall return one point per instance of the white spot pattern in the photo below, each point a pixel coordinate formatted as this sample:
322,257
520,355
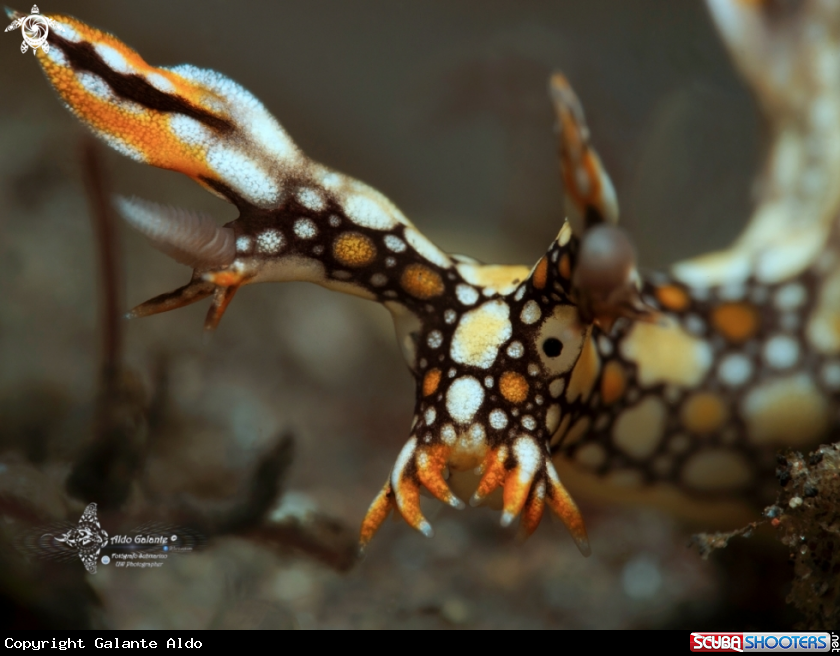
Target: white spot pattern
394,243
790,296
463,398
311,199
734,369
113,59
498,419
305,229
58,57
189,130
270,241
781,351
531,313
259,128
95,85
247,177
159,82
448,434
466,294
515,350
69,33
480,334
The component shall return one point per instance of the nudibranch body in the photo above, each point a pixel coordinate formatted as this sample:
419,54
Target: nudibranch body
688,379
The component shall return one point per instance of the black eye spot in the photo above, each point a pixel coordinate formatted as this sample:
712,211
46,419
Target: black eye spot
552,347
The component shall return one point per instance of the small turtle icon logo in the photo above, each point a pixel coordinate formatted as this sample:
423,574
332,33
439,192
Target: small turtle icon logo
34,27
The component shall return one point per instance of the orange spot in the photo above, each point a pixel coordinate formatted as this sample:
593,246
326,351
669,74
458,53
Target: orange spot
376,514
354,249
565,266
540,274
736,321
224,278
704,412
421,282
513,386
613,382
673,297
431,382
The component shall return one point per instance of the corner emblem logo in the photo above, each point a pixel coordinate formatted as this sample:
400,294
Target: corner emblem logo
35,29
87,538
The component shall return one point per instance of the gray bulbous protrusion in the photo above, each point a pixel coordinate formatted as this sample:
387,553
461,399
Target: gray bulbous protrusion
188,237
606,260
605,280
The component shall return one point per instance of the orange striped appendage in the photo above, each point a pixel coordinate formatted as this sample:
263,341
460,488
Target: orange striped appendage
533,511
376,514
431,462
493,473
562,504
145,131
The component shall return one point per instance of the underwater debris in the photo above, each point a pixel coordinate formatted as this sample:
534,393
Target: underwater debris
808,523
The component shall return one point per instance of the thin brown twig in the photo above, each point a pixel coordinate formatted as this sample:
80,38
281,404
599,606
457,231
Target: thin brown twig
108,257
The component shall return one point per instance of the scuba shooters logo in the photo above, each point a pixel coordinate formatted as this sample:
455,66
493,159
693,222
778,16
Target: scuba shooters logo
799,642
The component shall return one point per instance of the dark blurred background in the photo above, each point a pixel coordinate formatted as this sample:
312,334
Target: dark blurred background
443,107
